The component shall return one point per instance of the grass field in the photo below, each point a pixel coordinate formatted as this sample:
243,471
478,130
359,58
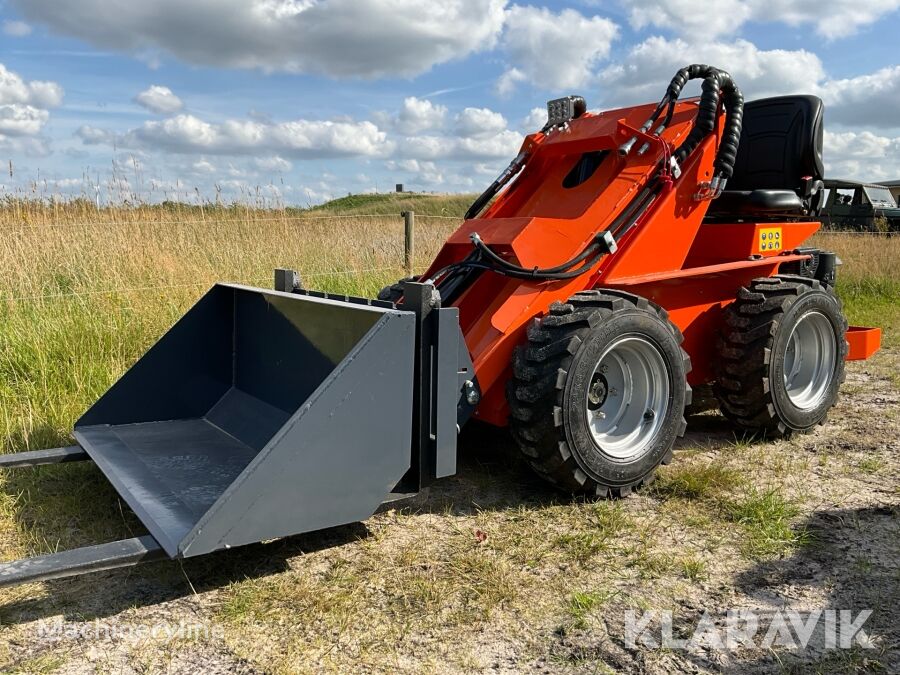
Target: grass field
491,568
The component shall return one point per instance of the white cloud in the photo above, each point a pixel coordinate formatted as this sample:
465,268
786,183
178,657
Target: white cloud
203,166
21,120
643,74
274,164
509,80
708,19
16,28
24,112
862,155
479,123
94,136
872,99
694,18
504,144
832,18
425,172
305,139
417,115
553,51
534,120
865,100
339,38
159,99
15,90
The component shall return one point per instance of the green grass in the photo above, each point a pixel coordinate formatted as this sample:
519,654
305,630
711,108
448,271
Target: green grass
693,568
454,205
765,517
868,281
581,604
693,482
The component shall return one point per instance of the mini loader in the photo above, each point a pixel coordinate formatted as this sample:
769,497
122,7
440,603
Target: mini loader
622,258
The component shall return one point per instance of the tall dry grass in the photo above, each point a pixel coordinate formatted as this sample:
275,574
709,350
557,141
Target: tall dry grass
868,279
84,292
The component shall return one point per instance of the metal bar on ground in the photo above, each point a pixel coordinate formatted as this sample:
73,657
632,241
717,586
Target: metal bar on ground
72,453
123,553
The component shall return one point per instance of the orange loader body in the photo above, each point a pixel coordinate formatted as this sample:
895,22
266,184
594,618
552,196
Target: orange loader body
691,268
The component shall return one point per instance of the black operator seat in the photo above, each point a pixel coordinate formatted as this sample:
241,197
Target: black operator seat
778,170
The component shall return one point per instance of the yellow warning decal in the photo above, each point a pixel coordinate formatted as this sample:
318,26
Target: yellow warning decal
770,239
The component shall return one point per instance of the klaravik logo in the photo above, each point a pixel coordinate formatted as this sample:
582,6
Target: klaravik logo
743,628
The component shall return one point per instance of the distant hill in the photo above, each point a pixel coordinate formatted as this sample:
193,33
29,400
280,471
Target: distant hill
394,202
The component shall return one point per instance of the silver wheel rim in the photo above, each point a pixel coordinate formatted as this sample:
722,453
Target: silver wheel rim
628,396
809,360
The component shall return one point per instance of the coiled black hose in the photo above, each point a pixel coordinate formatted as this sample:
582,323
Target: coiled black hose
715,83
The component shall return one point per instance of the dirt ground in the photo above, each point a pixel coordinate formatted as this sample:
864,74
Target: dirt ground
492,571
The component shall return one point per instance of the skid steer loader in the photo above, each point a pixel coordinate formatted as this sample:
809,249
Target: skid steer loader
622,258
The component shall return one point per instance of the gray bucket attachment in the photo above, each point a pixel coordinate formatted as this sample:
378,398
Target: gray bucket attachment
263,414
260,414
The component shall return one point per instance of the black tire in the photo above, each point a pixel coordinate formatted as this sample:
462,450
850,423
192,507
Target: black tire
756,334
394,292
549,388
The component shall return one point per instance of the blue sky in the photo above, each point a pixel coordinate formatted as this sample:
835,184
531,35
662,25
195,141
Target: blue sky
302,100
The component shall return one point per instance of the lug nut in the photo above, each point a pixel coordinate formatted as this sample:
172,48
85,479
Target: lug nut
472,396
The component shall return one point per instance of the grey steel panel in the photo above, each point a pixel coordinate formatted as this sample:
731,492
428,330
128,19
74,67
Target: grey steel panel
447,392
38,457
260,414
170,472
338,457
109,556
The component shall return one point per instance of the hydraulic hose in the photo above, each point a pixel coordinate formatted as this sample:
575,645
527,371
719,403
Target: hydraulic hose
716,83
490,255
514,167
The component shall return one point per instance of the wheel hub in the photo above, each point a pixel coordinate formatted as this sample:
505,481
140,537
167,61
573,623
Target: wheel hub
628,397
598,392
809,360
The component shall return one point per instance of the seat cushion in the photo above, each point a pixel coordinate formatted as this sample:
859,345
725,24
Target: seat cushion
757,202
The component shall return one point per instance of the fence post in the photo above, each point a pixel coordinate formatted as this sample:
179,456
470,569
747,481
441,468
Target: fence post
409,242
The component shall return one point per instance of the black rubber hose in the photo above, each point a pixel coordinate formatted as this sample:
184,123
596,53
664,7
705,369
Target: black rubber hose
706,116
485,197
716,83
509,270
483,200
488,253
731,138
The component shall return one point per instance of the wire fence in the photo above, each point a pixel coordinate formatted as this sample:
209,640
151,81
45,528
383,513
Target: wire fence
196,284
250,219
216,220
861,233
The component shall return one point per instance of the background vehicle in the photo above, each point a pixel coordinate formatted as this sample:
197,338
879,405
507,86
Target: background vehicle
866,207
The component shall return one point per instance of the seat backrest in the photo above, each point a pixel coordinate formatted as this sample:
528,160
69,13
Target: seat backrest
781,143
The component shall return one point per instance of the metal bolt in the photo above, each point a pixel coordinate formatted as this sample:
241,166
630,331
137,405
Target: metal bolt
649,414
472,395
613,391
599,414
603,368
